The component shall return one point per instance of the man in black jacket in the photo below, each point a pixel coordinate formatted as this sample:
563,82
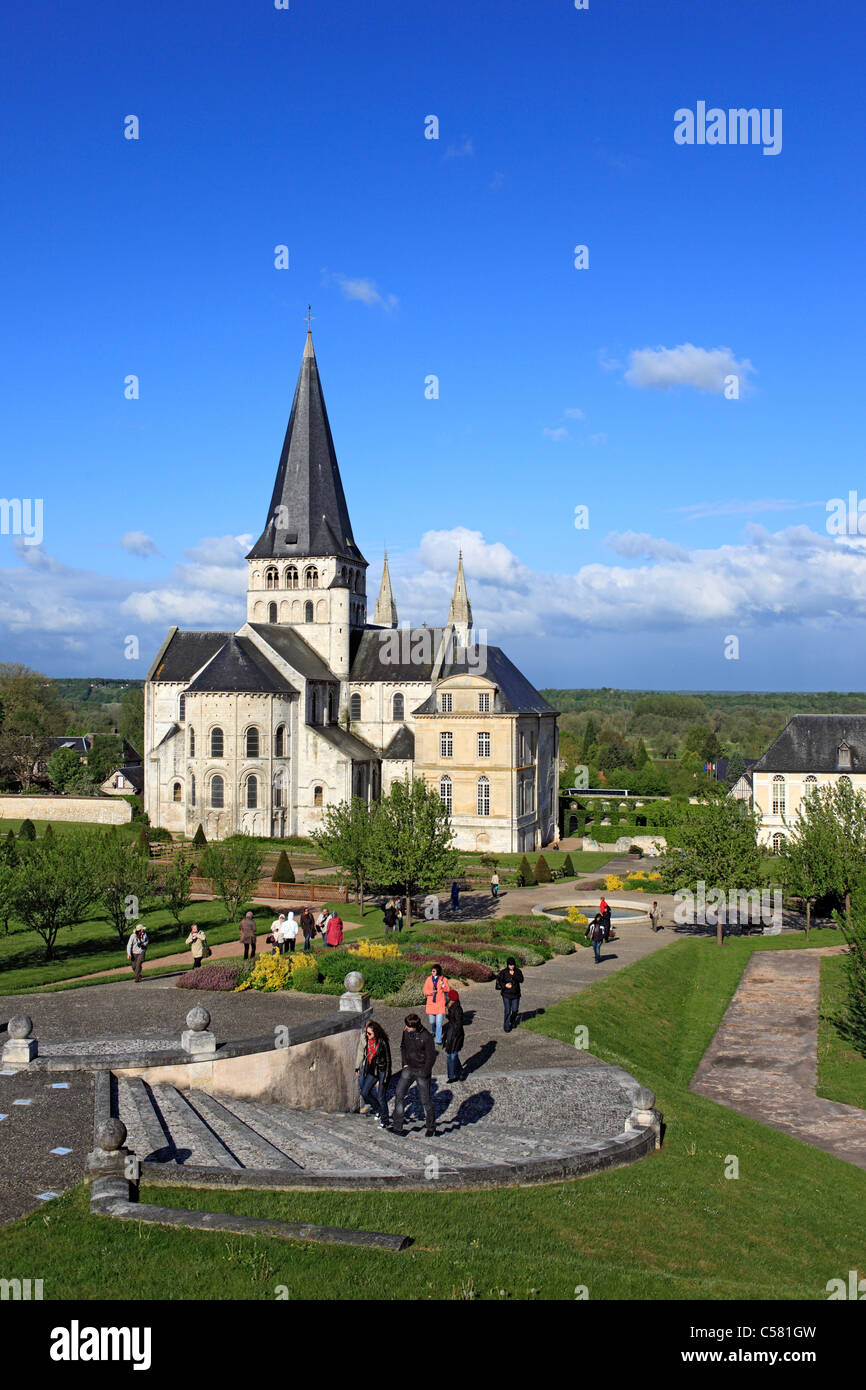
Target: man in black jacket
509,981
418,1053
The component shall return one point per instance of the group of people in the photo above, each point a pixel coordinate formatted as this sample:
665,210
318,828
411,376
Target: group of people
600,929
287,927
393,915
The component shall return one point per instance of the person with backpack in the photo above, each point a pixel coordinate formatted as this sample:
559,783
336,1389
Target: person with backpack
436,989
374,1071
136,950
508,982
197,943
454,1036
595,934
417,1054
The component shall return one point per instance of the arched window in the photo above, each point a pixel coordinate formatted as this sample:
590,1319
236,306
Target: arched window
845,779
280,742
272,612
397,707
355,707
279,790
181,709
778,796
330,704
217,793
192,743
483,796
252,743
176,792
252,792
291,578
311,579
778,842
445,792
272,578
308,612
810,785
192,790
343,575
318,796
216,743
314,708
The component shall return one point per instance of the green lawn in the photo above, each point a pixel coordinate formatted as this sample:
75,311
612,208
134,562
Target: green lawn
585,861
669,1227
841,1070
63,827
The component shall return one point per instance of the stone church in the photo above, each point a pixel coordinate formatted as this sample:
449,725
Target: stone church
309,703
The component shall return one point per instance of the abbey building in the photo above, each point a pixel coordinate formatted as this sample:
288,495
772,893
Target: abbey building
311,702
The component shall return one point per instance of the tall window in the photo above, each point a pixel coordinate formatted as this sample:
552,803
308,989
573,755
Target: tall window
314,708
318,796
446,745
291,578
279,791
810,785
272,578
330,704
355,707
445,793
311,579
445,704
778,796
192,743
217,793
484,745
181,709
192,789
176,792
216,743
272,612
845,779
252,792
483,796
252,750
484,702
280,742
397,707
308,612
778,842
843,756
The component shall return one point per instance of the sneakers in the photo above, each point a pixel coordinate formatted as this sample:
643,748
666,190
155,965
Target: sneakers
383,1124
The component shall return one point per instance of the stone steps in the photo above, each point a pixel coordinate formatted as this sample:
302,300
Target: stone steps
193,1140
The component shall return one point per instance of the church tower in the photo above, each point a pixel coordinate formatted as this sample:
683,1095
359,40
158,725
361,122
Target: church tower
305,570
385,614
460,612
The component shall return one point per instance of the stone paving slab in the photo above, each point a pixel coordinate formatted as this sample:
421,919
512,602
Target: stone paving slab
763,1060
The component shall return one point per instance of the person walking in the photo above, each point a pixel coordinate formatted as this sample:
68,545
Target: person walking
334,932
308,926
322,921
390,916
398,908
248,936
508,981
436,989
595,933
374,1071
605,917
289,933
417,1054
136,950
494,884
455,896
197,943
655,917
275,935
454,1036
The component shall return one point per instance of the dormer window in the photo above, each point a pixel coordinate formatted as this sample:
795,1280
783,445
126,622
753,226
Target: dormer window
843,757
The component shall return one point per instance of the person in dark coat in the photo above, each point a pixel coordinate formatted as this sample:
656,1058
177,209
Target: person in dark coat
453,1036
509,981
595,933
390,915
308,927
248,936
374,1071
455,896
605,917
417,1053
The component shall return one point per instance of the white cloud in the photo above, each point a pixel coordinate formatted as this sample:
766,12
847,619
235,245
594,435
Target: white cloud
557,435
366,292
662,368
695,511
464,149
137,543
631,544
574,414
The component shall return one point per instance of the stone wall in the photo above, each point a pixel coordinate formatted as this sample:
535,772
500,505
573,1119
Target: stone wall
93,809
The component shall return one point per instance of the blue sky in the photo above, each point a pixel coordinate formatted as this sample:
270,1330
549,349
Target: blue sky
558,387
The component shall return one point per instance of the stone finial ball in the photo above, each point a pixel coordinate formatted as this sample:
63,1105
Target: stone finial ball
644,1098
354,982
111,1135
20,1026
197,1019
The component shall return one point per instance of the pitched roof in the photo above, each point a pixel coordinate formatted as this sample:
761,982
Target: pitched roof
374,647
76,741
722,765
402,745
810,743
239,667
514,693
349,744
308,513
186,653
290,645
134,774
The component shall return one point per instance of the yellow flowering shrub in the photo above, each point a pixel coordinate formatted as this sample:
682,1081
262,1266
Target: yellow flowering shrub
612,882
378,950
576,917
304,970
268,973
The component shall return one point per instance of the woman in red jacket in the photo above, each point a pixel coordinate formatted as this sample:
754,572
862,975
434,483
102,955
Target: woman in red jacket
334,931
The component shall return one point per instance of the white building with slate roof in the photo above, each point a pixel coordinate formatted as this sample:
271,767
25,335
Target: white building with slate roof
812,751
308,703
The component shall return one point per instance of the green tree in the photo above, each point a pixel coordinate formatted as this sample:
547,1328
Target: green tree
31,702
175,878
54,886
542,870
524,872
641,756
61,768
142,843
347,838
27,830
106,754
719,848
825,849
130,725
568,869
412,841
283,871
199,839
851,1022
233,868
123,880
590,739
9,861
736,768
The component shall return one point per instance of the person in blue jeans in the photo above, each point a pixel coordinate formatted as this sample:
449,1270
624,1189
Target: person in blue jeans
508,981
453,1036
374,1072
595,932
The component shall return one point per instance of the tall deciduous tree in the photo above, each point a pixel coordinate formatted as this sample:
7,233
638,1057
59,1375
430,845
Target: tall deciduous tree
233,868
54,886
123,879
826,846
174,880
347,838
718,848
412,840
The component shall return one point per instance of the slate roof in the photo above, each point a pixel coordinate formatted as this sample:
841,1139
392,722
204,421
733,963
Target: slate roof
240,668
722,765
350,744
77,741
514,694
171,732
186,653
810,742
290,645
134,774
402,745
308,513
371,648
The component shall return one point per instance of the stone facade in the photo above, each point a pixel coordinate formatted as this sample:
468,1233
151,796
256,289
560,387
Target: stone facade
86,809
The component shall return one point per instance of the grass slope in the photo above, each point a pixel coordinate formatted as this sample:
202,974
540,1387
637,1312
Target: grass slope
841,1070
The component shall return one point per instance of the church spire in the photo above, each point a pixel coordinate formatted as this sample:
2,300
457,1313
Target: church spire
460,612
308,513
386,609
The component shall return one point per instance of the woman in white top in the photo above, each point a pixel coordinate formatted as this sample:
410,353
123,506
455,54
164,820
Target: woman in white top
289,932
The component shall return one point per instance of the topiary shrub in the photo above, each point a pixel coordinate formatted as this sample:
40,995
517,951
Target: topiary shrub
142,844
524,872
48,833
542,871
283,872
27,831
199,839
568,869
